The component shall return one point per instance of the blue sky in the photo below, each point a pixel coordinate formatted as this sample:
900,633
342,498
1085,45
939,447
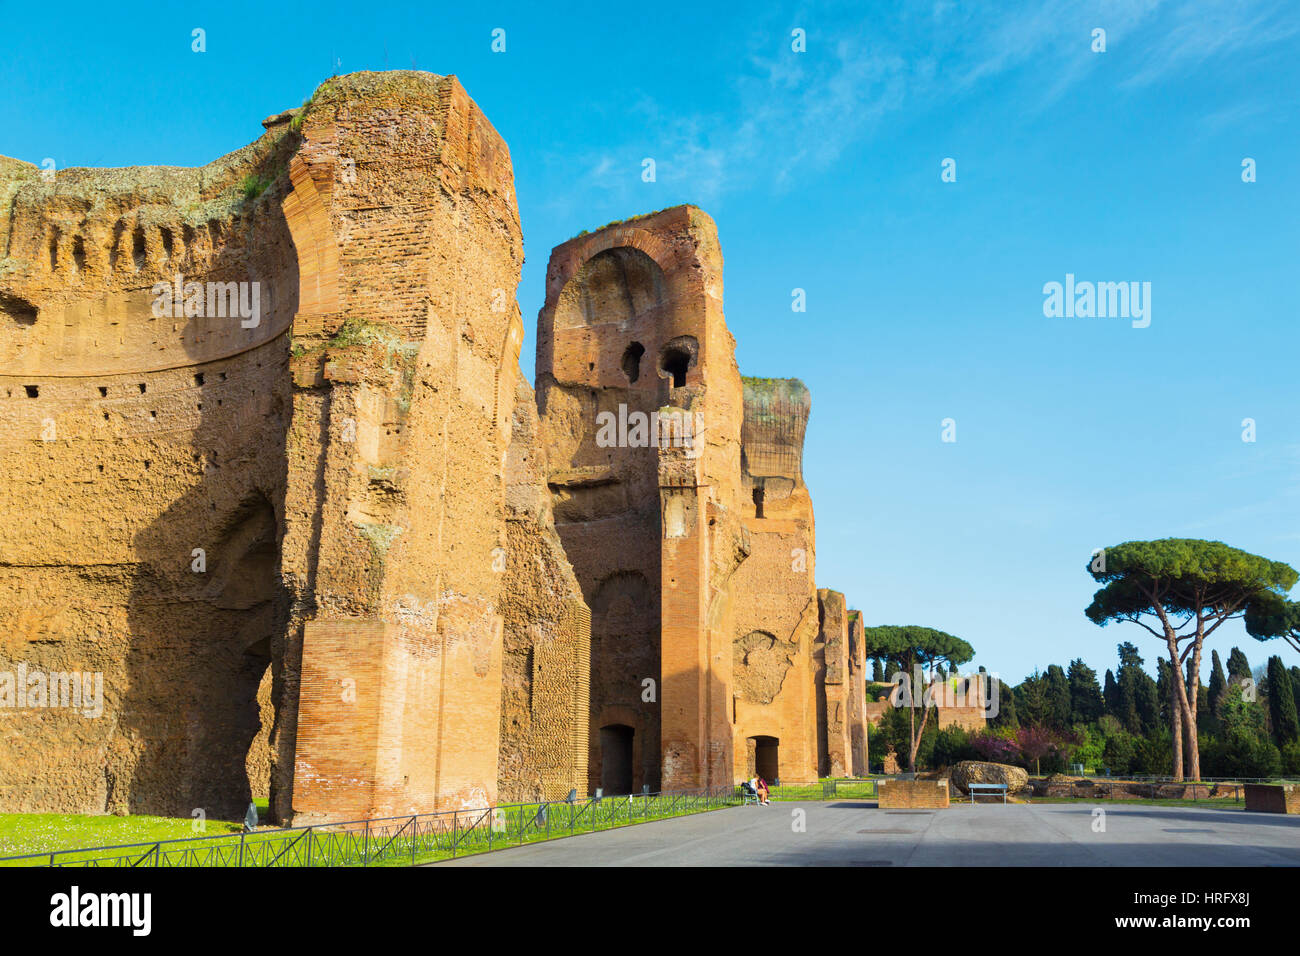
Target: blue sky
822,170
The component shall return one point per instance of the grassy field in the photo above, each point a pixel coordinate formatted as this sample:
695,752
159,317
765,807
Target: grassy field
386,843
22,833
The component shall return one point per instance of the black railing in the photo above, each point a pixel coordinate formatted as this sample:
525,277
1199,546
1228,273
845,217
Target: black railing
395,841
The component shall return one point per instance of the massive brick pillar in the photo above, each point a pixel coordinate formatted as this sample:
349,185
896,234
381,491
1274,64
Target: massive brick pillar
831,655
633,330
857,697
405,365
776,600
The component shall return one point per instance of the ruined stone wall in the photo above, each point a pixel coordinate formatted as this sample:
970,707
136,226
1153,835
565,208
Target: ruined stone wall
546,672
144,479
831,673
633,325
340,462
857,697
776,620
404,378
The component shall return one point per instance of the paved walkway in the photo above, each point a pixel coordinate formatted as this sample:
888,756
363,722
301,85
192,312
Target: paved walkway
857,833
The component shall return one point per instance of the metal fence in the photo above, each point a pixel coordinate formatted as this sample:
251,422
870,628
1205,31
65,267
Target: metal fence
395,841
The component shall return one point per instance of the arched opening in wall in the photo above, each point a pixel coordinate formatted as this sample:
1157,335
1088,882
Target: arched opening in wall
758,501
257,761
243,562
674,364
612,287
767,762
17,309
616,758
632,361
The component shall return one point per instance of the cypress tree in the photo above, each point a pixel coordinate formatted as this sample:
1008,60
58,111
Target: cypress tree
1281,703
1238,666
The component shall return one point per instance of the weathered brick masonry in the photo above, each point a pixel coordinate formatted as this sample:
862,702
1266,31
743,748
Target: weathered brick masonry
337,553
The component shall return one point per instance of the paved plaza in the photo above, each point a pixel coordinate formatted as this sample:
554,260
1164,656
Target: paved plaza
857,833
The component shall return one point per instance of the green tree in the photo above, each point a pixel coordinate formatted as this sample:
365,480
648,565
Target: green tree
1238,666
1281,703
1058,697
1243,749
1031,700
877,671
1190,587
1006,715
1139,702
1270,616
1086,703
916,652
1110,694
1218,684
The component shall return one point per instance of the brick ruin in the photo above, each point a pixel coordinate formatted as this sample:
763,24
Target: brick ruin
331,549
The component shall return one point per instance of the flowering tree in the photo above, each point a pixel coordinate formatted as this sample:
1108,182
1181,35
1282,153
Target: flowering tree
1035,743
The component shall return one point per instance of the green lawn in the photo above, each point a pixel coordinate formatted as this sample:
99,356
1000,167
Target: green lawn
381,844
22,833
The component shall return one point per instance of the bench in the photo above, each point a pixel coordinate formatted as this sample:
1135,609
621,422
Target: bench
992,789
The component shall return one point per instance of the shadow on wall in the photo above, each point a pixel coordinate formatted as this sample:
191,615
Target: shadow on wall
209,660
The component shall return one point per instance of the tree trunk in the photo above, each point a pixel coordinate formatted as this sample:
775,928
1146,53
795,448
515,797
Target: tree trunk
1177,702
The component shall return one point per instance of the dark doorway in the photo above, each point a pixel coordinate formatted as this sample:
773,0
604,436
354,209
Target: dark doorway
616,759
758,501
675,363
766,764
632,361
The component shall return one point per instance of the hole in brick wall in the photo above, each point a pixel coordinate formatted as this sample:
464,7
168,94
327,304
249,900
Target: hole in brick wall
137,247
223,376
153,415
758,501
167,241
198,379
99,468
187,235
106,416
632,361
54,250
114,245
147,464
103,391
142,388
17,309
33,391
79,253
675,363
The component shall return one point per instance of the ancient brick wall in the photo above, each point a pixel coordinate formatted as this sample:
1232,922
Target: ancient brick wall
142,452
857,697
632,326
776,621
831,674
339,461
545,688
404,384
912,794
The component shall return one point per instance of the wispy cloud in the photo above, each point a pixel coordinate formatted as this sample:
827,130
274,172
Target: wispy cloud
791,115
